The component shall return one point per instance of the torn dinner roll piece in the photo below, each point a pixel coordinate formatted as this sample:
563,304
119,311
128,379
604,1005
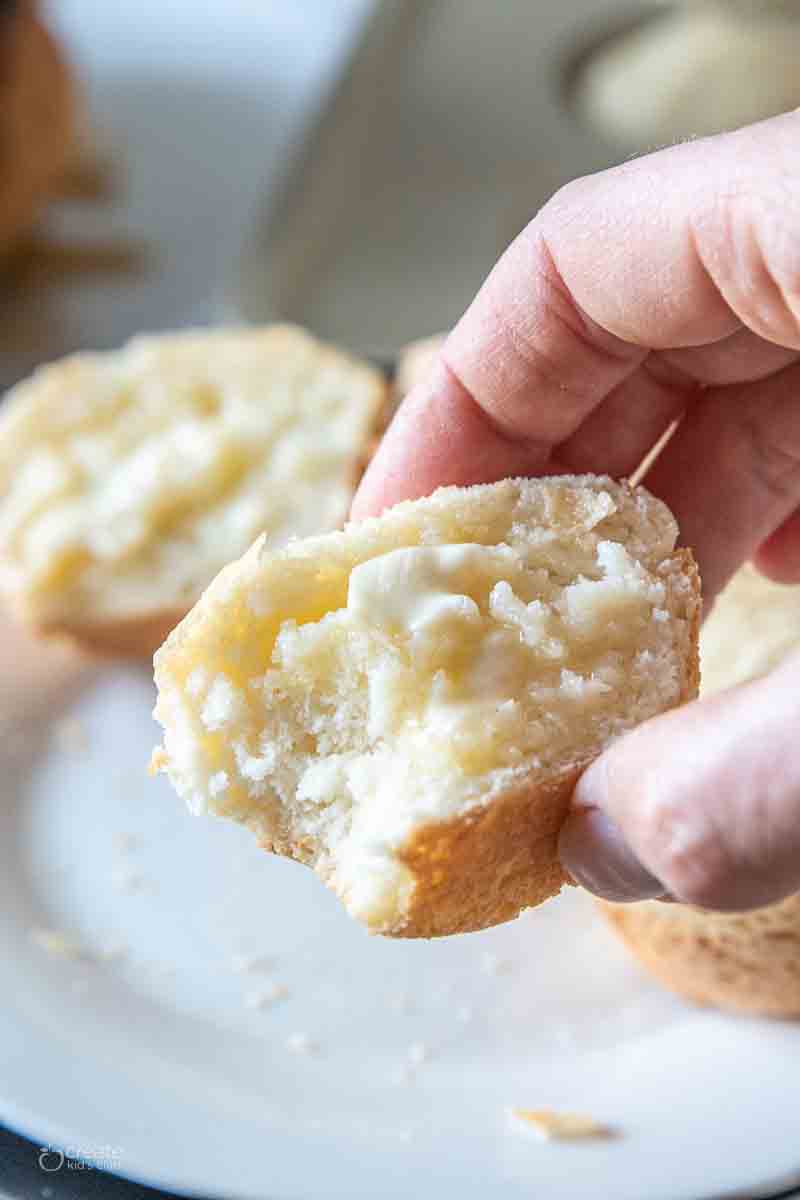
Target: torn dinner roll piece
128,479
406,705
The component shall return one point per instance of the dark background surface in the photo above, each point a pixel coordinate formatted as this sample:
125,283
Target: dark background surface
21,1178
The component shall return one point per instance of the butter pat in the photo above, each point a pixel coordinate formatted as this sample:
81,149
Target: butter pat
419,588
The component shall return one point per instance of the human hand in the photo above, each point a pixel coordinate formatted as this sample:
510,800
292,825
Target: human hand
666,289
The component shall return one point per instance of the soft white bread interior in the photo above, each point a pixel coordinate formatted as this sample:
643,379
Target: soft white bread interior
748,962
128,479
406,705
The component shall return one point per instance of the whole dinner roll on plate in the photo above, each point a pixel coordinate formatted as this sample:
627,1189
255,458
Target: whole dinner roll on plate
129,478
405,706
748,962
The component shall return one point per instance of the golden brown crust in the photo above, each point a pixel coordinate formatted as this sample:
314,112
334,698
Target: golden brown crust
745,962
37,120
691,572
135,636
486,866
479,869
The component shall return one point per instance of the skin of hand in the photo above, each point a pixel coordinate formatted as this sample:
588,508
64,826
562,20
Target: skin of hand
664,290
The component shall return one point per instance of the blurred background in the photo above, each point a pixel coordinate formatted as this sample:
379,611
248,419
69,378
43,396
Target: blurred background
352,165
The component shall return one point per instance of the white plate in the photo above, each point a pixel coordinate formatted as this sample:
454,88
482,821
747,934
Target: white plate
154,1059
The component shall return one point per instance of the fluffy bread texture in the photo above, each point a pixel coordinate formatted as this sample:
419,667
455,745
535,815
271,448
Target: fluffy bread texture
128,479
37,119
746,962
406,705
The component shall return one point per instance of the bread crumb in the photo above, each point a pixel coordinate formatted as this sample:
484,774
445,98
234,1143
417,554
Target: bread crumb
301,1043
563,1127
71,736
56,944
263,997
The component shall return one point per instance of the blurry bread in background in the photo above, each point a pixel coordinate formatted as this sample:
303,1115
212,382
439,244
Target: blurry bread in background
37,118
414,361
691,71
128,479
405,705
748,962
751,961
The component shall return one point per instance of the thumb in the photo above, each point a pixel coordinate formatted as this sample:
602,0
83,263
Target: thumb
701,804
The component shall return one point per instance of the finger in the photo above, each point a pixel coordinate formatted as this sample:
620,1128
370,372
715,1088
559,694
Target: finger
705,801
593,849
678,249
731,472
779,556
625,426
741,358
630,421
683,247
440,436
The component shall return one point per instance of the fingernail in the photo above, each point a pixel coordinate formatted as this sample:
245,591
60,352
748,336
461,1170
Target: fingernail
597,857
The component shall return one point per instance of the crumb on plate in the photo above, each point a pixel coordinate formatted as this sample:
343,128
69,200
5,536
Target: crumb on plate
559,1126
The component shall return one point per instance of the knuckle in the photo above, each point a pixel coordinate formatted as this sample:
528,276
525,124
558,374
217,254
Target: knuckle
773,453
688,851
756,262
